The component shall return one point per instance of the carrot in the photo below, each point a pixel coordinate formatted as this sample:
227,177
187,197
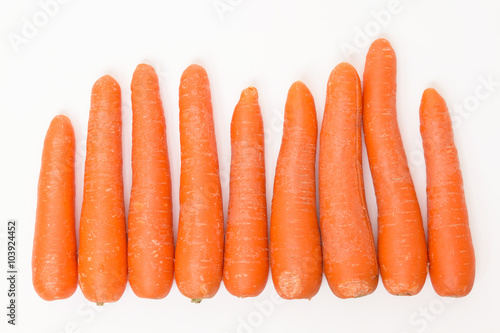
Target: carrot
402,250
451,254
296,262
349,257
54,268
200,244
150,233
102,259
246,259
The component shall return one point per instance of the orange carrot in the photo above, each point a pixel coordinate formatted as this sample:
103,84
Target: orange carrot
246,260
54,245
200,242
296,262
349,257
402,250
451,254
150,234
102,255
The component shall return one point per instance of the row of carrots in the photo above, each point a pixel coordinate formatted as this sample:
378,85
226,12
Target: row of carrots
299,249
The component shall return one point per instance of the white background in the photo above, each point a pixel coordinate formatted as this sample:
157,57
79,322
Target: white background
450,45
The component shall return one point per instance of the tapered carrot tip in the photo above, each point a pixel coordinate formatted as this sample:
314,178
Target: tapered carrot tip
249,93
381,43
343,71
143,71
105,80
344,67
298,87
60,121
431,95
194,71
144,68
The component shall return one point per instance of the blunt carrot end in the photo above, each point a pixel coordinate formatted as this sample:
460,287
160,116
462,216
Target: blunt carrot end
106,81
250,93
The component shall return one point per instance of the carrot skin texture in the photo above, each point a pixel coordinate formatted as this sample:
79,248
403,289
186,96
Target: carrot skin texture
296,260
54,263
200,241
246,257
349,257
402,250
102,259
150,226
451,253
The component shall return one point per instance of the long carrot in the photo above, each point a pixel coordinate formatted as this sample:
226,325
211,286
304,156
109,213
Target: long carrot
150,233
402,250
296,262
54,264
451,254
102,255
200,242
246,258
349,257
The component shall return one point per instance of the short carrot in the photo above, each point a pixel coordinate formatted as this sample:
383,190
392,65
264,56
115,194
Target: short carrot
102,255
402,251
349,257
200,242
54,263
296,260
150,233
451,253
246,259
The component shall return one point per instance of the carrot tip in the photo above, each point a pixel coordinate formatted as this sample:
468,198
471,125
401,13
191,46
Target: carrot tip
144,67
381,41
196,300
250,92
195,69
431,93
